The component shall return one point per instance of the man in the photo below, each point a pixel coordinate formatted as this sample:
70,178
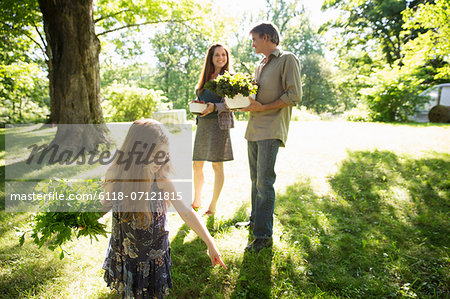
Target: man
278,78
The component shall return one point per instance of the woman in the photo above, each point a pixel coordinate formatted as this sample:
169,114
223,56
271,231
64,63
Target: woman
212,139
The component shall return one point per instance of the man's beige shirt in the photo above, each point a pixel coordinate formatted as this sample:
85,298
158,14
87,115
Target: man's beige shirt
278,78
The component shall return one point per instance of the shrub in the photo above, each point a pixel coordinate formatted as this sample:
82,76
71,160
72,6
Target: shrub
394,95
24,93
303,114
127,103
358,113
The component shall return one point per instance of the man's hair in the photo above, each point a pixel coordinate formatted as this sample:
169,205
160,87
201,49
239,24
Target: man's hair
267,28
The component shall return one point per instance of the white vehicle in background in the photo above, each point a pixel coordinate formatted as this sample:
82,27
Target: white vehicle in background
437,109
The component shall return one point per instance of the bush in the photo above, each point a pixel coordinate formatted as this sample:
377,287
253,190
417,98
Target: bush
303,114
24,93
125,103
359,113
394,95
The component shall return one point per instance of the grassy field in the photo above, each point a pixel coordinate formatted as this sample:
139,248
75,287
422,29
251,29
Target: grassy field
362,211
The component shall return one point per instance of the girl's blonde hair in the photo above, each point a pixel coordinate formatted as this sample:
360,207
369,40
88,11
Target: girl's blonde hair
208,67
131,172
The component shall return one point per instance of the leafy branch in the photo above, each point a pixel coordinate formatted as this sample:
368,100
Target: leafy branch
24,32
145,23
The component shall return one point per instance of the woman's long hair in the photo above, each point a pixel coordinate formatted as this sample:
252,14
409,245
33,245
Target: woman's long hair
131,172
208,67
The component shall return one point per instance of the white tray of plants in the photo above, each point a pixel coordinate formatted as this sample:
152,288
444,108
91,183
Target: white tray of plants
234,88
196,107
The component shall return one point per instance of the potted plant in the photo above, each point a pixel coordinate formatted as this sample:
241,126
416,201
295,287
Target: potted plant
234,88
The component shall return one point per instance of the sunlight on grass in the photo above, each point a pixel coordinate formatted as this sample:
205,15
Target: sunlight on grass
362,211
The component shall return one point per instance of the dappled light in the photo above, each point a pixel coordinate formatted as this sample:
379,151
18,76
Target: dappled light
366,239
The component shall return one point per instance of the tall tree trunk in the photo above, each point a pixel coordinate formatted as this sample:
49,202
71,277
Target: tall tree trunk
74,74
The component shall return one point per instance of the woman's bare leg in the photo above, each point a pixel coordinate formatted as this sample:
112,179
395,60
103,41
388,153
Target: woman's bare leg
219,178
199,180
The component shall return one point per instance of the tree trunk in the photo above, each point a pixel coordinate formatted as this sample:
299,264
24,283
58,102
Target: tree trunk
73,50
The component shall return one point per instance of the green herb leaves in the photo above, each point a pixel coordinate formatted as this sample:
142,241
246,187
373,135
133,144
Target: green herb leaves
229,86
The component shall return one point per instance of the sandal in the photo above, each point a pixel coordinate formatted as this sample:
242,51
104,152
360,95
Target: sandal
209,213
195,208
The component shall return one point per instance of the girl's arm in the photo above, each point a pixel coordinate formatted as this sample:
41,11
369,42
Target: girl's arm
191,219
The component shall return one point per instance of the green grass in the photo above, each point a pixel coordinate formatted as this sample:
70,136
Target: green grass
362,211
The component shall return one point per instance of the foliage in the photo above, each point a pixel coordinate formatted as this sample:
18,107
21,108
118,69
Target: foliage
303,114
24,93
19,23
132,17
229,86
410,36
23,86
318,89
358,113
58,228
244,57
394,95
372,24
137,74
282,12
180,51
127,103
433,44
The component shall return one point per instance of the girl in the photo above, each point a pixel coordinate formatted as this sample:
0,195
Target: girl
212,138
138,260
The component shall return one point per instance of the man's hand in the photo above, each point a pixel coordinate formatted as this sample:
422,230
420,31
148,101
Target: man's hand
254,106
209,108
257,106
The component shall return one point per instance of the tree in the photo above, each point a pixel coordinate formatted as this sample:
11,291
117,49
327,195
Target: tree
432,44
74,72
372,24
23,87
300,38
72,51
24,93
318,90
181,50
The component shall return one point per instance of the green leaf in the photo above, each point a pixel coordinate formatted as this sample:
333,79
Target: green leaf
22,239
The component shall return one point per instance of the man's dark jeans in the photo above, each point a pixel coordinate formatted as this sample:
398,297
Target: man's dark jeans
261,156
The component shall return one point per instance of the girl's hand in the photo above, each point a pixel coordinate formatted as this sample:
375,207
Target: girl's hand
215,258
209,108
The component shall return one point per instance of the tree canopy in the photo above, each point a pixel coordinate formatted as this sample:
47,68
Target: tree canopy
160,45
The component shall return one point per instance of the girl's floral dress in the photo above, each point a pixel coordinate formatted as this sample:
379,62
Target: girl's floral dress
138,259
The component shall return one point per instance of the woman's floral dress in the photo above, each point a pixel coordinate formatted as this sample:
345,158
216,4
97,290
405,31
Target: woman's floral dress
138,259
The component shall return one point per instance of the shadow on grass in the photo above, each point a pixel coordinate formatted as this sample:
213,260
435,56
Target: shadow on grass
29,161
26,271
384,233
255,277
191,267
220,226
